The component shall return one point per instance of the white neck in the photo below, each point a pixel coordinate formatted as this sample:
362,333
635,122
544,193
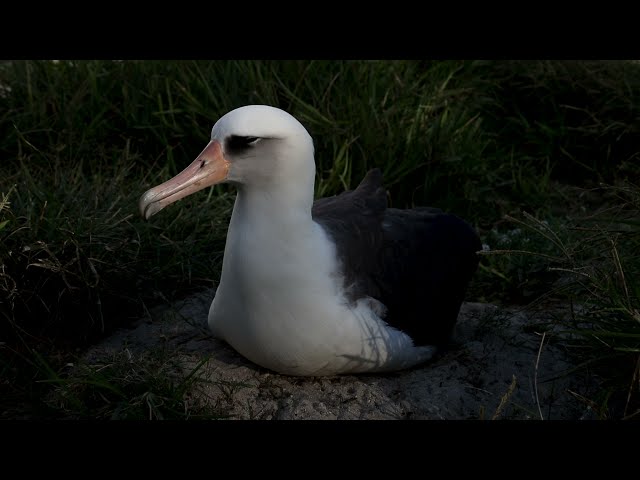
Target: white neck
272,205
276,193
271,233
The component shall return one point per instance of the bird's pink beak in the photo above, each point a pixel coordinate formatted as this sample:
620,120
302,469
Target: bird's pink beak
209,168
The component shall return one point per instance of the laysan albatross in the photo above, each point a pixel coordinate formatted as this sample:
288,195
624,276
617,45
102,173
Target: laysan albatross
336,286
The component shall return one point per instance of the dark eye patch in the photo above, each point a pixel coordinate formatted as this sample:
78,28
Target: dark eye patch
236,143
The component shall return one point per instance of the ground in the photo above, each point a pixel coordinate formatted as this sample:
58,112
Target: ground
500,366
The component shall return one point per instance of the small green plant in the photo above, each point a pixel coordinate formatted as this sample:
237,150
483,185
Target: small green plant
4,209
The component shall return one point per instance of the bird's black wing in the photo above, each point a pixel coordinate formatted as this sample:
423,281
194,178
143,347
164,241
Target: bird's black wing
353,220
428,260
418,262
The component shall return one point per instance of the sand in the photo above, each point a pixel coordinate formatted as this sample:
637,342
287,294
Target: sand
498,367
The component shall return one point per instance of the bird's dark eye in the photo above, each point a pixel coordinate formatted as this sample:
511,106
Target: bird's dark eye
237,142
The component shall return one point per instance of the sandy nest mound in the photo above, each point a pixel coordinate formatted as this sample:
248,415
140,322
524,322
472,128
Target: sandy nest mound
500,366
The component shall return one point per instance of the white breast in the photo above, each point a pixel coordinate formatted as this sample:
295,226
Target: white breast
279,303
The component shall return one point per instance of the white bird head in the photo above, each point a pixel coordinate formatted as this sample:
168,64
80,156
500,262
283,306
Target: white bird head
256,146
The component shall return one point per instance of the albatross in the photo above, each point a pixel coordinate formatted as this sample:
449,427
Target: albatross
342,285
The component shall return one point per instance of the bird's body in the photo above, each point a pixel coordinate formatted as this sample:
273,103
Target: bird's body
342,285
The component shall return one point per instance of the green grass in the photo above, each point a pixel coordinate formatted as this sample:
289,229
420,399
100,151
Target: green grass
517,148
152,386
591,264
